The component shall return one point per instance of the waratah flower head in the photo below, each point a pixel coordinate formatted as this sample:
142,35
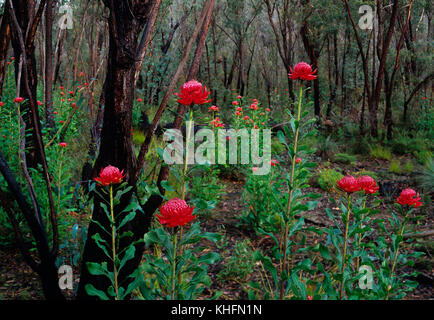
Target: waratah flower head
409,197
349,184
302,70
110,175
368,184
192,92
175,213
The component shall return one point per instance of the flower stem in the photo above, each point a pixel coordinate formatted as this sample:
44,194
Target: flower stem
115,272
395,258
189,123
289,203
359,239
347,223
175,247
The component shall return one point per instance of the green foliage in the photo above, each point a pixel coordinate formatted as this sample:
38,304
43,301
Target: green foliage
395,166
344,158
424,156
240,263
206,190
379,152
326,147
327,179
118,258
425,177
191,276
277,147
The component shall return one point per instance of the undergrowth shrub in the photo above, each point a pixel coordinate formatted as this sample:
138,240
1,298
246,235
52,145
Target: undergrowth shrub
344,158
327,179
379,152
240,264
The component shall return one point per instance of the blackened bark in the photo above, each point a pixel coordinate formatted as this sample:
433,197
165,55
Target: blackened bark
49,66
127,20
24,11
5,37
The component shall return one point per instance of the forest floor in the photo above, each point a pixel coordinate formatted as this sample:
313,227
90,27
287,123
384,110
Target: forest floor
18,281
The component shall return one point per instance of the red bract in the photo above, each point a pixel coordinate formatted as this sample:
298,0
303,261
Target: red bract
193,92
348,184
298,160
409,197
2,103
110,175
302,70
175,213
18,100
368,184
235,103
63,144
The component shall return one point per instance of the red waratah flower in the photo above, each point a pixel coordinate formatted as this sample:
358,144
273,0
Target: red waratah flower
175,213
110,175
246,118
239,97
349,184
255,101
38,103
238,113
73,105
63,144
71,93
302,70
254,169
268,109
61,121
18,100
235,103
2,103
193,92
298,160
409,197
139,100
239,109
368,184
61,88
213,108
55,112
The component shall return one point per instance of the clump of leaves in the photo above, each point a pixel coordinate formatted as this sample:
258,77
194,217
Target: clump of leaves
344,158
327,179
379,152
395,166
425,177
240,264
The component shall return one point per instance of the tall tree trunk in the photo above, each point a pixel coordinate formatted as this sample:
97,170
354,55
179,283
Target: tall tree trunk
5,37
49,65
24,11
126,21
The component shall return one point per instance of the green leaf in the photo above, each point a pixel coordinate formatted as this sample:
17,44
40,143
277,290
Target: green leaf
166,186
91,290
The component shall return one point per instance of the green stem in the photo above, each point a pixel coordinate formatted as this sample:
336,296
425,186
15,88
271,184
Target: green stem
347,223
115,272
359,239
395,258
289,203
189,122
175,247
59,179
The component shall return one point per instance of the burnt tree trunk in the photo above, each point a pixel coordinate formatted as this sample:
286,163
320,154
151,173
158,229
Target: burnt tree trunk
126,21
24,11
5,37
